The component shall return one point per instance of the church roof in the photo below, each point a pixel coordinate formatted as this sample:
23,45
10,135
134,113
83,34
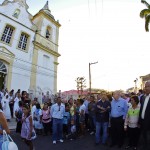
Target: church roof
22,2
46,10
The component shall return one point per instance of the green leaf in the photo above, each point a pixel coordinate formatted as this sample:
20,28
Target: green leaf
147,20
144,13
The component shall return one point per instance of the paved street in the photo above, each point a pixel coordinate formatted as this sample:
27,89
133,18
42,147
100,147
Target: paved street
45,143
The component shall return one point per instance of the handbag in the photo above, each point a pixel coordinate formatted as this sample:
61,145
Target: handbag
33,135
8,143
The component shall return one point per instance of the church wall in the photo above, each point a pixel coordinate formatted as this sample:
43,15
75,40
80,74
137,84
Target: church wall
42,53
24,16
21,67
45,73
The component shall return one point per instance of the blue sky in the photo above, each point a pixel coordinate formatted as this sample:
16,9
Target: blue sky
108,31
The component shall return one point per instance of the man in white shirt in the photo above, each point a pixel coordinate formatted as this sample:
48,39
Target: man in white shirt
57,113
144,117
86,103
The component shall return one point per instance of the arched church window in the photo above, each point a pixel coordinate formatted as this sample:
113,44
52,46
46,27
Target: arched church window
7,34
48,32
3,68
23,42
16,13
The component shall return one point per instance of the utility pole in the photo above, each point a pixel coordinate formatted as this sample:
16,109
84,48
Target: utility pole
90,82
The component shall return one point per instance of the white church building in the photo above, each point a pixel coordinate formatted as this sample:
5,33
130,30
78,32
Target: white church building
28,48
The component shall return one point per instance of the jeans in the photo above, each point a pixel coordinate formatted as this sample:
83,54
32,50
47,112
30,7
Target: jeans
92,120
104,127
57,129
1,141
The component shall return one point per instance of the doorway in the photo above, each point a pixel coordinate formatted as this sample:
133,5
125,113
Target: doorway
3,72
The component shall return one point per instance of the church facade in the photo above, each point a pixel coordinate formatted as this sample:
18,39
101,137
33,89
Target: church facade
28,48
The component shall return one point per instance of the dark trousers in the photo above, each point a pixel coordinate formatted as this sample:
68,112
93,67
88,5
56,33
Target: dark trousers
47,127
117,130
77,123
87,126
133,135
92,123
145,135
11,105
66,128
18,127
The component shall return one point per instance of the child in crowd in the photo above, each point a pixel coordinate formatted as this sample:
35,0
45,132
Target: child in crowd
27,126
77,117
66,121
73,133
82,116
131,123
38,119
18,114
46,119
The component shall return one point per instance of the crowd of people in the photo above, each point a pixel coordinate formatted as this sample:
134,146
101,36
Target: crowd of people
112,117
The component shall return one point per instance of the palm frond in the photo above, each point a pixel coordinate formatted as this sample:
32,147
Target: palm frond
147,4
147,20
144,13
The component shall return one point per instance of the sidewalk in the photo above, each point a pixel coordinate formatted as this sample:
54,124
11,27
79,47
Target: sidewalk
12,124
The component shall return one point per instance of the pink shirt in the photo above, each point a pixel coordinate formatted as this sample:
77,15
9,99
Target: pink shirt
46,116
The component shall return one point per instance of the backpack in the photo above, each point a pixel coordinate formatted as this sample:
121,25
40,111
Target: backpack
8,143
19,114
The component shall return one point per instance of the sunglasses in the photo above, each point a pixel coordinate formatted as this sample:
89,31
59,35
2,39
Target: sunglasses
59,108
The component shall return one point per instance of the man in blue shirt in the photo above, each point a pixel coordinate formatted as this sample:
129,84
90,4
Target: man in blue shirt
57,113
119,110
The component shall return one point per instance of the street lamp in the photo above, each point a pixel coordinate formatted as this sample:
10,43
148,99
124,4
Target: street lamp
90,75
135,86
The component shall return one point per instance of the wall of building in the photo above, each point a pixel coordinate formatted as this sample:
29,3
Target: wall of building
45,72
21,67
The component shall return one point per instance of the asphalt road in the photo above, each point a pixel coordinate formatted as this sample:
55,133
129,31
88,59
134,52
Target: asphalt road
45,143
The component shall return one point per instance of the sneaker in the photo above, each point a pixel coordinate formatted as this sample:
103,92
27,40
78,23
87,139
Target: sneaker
61,140
54,142
92,133
127,147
